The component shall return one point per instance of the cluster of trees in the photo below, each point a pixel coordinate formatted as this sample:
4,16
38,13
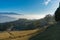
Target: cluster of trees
24,24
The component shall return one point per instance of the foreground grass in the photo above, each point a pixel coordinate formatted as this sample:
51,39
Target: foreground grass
17,35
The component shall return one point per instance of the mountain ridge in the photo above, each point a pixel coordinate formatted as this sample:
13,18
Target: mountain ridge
11,13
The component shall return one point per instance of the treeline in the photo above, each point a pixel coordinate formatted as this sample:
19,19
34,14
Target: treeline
24,24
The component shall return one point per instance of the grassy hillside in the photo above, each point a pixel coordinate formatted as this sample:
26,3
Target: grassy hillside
51,33
17,35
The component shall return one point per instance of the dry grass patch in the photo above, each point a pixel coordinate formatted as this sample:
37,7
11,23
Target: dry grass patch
17,35
4,35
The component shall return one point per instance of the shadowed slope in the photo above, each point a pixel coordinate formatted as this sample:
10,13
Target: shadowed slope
51,33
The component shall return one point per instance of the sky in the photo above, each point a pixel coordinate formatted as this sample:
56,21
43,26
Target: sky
33,9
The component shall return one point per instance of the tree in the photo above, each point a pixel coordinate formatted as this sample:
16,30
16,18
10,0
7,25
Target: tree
57,14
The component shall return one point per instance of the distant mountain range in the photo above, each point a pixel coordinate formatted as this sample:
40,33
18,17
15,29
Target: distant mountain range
7,18
12,13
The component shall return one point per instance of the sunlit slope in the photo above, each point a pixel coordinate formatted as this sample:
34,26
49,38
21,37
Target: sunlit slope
51,33
17,35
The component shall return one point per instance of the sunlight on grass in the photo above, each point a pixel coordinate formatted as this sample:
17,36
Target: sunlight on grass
17,35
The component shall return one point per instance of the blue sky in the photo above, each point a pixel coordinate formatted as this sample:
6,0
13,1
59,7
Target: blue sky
35,7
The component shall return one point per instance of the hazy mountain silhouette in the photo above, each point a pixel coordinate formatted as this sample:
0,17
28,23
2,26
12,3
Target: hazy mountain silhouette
6,19
12,13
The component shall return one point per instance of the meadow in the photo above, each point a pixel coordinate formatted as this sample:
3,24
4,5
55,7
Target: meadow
18,35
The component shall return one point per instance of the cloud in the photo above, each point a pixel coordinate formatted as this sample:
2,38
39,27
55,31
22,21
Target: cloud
47,2
27,16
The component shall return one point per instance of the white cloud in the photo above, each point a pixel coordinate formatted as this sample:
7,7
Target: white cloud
27,16
47,2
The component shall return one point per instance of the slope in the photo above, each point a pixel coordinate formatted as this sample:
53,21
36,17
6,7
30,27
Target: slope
17,35
51,33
